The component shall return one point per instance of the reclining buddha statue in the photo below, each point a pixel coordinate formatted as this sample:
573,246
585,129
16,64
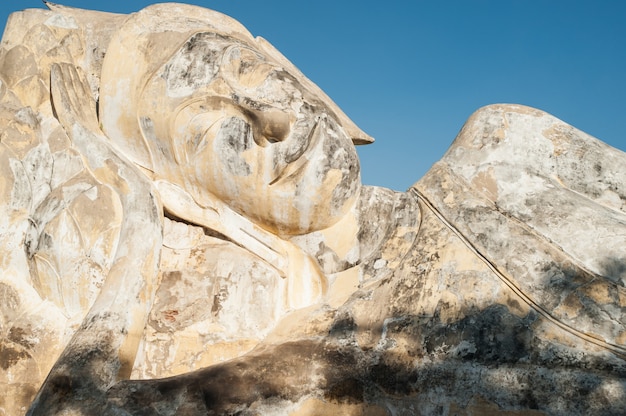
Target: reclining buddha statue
184,231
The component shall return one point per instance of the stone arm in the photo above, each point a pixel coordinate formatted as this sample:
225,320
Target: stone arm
102,350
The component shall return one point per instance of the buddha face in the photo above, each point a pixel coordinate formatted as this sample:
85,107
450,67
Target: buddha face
238,127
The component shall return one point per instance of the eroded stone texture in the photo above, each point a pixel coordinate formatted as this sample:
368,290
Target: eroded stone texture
200,243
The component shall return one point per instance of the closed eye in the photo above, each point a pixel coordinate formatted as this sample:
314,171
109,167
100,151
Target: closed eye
244,68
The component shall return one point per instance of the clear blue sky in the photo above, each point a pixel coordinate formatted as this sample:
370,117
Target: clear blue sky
410,72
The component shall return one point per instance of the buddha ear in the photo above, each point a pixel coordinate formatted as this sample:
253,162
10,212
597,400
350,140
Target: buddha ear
306,283
181,204
218,217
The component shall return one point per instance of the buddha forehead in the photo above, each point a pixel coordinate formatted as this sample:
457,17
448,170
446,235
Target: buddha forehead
207,55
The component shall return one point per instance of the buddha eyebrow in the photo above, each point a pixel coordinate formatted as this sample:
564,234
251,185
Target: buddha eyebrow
248,102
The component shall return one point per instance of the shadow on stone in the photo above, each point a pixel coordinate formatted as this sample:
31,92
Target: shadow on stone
490,355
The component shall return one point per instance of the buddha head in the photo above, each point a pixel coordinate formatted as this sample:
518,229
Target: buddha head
188,94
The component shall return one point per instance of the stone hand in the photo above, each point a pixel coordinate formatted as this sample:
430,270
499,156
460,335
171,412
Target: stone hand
72,99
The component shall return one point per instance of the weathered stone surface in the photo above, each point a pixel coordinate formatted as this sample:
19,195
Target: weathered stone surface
199,241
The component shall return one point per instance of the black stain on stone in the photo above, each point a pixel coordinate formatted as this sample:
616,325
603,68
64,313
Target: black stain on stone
15,347
614,269
20,336
342,326
11,355
233,138
492,335
393,377
349,390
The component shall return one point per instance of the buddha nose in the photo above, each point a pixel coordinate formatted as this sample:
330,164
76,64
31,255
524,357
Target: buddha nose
272,125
